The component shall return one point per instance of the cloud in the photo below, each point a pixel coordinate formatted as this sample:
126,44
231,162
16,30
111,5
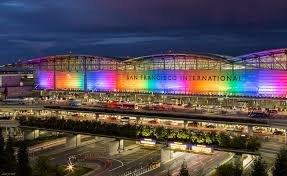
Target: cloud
31,28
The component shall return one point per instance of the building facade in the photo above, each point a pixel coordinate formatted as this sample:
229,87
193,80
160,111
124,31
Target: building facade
262,74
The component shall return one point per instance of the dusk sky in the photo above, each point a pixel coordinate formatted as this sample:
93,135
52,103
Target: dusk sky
34,28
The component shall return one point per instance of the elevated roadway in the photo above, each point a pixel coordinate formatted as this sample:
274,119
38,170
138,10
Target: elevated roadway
173,115
227,119
9,123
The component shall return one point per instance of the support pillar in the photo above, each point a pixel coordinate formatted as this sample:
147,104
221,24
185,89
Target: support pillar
138,120
165,155
185,122
11,132
116,146
121,145
73,141
30,135
97,117
113,147
250,130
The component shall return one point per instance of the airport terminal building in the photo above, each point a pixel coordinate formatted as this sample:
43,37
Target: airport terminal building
262,74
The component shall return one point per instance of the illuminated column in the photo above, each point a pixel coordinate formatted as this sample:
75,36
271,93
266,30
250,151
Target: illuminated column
97,117
185,122
30,135
286,136
116,146
73,141
11,131
165,155
113,147
138,120
121,145
250,130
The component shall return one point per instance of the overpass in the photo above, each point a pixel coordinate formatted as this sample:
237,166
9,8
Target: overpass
9,124
274,123
121,138
239,120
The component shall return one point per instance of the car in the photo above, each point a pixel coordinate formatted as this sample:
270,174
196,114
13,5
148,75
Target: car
153,122
258,115
258,130
210,126
278,132
192,124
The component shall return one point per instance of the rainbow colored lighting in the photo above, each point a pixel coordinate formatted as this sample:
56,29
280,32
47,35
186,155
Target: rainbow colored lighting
253,82
69,80
101,80
45,80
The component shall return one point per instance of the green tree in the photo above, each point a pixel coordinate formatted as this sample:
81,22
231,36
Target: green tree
223,140
253,144
259,168
224,170
59,171
42,166
168,173
238,142
10,158
2,158
23,166
183,170
280,167
229,169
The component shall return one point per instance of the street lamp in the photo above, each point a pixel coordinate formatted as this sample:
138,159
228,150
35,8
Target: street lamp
70,167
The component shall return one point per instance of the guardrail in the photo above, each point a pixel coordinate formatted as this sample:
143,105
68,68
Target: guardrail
174,115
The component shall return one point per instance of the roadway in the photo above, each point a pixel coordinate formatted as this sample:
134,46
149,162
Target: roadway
165,119
95,155
172,115
196,164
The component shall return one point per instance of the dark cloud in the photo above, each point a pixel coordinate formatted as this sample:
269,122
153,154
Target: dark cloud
32,28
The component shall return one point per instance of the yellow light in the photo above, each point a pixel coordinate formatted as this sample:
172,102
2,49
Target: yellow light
70,167
178,145
202,149
148,142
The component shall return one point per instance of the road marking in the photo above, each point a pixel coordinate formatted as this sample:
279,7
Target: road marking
118,166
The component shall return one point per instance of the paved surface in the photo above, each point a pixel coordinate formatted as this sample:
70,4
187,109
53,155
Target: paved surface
196,164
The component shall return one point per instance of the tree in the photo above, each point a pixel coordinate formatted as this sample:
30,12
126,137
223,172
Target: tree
259,168
168,173
238,142
183,170
280,167
223,140
59,171
229,169
42,166
10,158
2,158
253,144
23,167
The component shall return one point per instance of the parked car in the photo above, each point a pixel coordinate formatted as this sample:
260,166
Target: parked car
259,115
276,132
